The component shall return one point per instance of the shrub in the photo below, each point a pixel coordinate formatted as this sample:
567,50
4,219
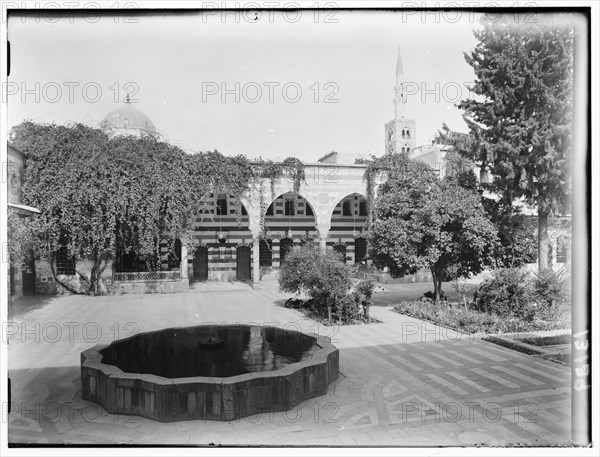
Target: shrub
430,295
551,288
321,276
507,292
510,301
364,296
348,309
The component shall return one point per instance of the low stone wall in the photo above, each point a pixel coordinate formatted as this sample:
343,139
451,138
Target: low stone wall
206,398
151,287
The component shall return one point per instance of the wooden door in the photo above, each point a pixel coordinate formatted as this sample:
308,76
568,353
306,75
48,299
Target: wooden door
200,264
285,246
243,263
29,279
360,249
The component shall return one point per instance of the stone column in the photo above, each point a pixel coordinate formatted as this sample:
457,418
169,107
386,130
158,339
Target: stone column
256,263
275,252
323,241
323,231
185,282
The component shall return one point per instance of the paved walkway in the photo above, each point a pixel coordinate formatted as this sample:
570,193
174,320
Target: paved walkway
403,382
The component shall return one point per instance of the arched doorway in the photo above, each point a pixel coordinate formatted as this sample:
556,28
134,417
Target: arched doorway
200,264
222,227
243,264
360,249
285,246
349,221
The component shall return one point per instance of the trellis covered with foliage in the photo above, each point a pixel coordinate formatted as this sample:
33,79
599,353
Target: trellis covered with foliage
99,195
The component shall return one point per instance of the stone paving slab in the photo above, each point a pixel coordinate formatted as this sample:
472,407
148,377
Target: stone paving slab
403,382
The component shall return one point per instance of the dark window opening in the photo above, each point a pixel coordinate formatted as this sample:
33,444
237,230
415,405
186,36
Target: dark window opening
309,211
362,208
127,262
65,263
221,207
347,208
290,209
269,210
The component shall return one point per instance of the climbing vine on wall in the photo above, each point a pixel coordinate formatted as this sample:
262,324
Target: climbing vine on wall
120,194
291,168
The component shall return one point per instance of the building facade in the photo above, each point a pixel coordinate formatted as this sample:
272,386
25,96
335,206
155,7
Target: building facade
331,207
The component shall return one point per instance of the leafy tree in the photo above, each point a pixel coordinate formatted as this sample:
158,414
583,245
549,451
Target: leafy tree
516,244
521,116
321,276
422,222
66,176
459,170
99,196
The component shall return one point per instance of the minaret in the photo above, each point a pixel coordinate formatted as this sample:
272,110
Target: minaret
400,133
400,98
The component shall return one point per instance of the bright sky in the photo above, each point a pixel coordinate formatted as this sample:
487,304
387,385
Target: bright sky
178,66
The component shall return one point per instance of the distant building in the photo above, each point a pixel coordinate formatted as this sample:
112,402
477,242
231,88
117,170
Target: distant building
343,158
434,155
128,120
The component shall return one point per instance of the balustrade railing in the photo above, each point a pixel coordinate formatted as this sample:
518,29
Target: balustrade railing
148,276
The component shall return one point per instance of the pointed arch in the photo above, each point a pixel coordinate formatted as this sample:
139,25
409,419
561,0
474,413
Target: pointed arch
290,211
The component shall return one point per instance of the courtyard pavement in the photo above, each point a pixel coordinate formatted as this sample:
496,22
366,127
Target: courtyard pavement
403,382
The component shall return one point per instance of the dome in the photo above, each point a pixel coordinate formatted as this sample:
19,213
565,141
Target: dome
128,119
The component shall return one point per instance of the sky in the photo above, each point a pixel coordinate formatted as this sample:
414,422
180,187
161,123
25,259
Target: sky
262,84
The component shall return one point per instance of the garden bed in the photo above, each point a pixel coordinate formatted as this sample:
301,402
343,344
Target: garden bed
551,340
556,353
473,321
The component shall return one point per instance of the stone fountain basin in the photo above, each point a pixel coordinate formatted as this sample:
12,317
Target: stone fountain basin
208,398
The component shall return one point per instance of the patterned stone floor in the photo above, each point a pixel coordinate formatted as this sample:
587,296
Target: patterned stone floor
403,382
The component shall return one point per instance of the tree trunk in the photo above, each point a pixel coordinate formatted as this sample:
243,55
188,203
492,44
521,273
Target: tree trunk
543,259
66,286
436,285
96,274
